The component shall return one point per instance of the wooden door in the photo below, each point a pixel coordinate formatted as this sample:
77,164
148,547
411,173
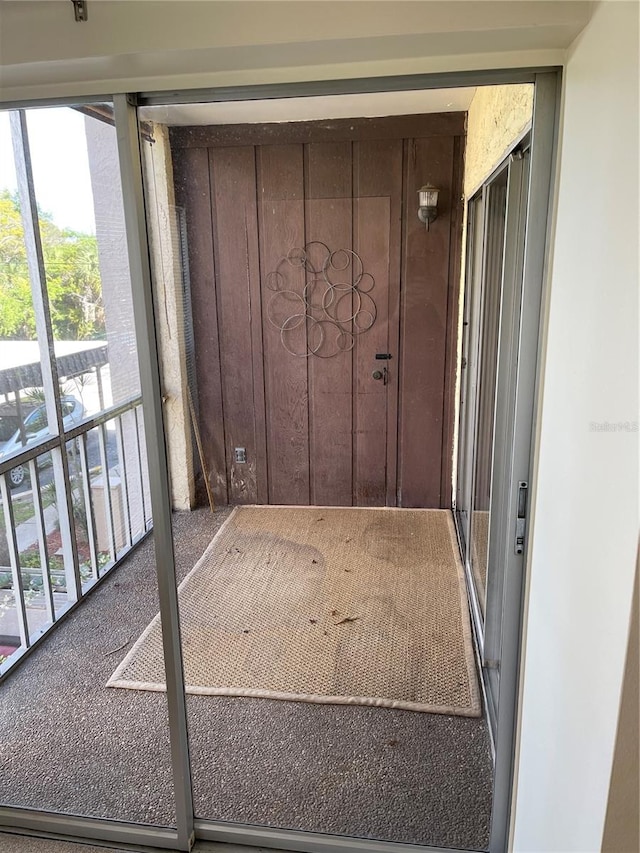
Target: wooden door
330,271
377,172
320,378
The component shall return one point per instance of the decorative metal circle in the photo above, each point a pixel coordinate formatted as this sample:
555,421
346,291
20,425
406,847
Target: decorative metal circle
328,300
281,295
360,329
289,325
275,280
297,257
369,278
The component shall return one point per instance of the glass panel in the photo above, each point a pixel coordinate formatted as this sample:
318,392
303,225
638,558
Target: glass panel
132,454
262,760
36,533
486,372
75,511
33,555
473,287
40,543
144,491
107,520
23,416
83,522
53,503
13,620
86,265
102,457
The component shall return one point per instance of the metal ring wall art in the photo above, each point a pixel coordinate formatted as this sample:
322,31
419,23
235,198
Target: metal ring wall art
320,300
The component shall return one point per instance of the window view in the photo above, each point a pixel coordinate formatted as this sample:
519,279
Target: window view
74,486
64,288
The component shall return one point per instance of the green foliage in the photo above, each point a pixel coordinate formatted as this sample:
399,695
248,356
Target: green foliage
73,279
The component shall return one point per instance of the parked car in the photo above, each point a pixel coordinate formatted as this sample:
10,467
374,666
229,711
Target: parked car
10,420
35,428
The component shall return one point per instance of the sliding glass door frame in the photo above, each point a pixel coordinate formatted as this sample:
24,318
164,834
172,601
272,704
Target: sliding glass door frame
467,417
513,174
187,828
507,370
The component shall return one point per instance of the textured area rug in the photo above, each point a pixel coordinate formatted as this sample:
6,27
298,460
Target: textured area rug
331,605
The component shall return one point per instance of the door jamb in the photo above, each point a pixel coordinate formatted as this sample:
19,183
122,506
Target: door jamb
544,139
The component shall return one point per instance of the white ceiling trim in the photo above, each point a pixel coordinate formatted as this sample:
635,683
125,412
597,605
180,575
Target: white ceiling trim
309,109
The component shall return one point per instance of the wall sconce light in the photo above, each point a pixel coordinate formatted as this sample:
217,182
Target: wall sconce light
427,204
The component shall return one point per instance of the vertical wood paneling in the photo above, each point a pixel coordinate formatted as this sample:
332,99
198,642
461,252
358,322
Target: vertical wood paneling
377,188
191,176
424,324
371,237
328,218
316,430
233,192
281,224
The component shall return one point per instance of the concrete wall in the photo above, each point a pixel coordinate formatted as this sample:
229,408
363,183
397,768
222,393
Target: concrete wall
497,116
585,495
167,280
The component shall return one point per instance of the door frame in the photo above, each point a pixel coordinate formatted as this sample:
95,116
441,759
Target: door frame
507,367
527,398
487,617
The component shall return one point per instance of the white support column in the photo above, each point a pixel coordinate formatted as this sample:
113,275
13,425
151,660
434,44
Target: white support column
167,273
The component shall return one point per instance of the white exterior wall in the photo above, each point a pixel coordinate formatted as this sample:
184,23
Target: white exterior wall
586,492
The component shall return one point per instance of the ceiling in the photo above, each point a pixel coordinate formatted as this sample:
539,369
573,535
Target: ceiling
170,46
313,108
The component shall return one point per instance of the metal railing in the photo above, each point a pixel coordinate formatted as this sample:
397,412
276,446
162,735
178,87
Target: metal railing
105,511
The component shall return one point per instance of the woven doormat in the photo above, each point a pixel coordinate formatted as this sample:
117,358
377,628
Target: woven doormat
330,605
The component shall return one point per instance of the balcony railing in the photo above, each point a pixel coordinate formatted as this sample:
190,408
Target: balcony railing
82,507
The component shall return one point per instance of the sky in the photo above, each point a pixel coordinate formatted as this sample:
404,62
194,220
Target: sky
60,165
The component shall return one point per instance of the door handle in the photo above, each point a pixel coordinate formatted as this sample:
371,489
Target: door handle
380,374
521,517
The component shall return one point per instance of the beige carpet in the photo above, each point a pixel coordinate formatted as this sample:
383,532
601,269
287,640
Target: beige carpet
331,605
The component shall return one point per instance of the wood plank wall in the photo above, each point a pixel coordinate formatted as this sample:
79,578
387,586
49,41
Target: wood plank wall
320,430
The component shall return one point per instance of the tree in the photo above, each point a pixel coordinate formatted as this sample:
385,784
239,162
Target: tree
73,279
